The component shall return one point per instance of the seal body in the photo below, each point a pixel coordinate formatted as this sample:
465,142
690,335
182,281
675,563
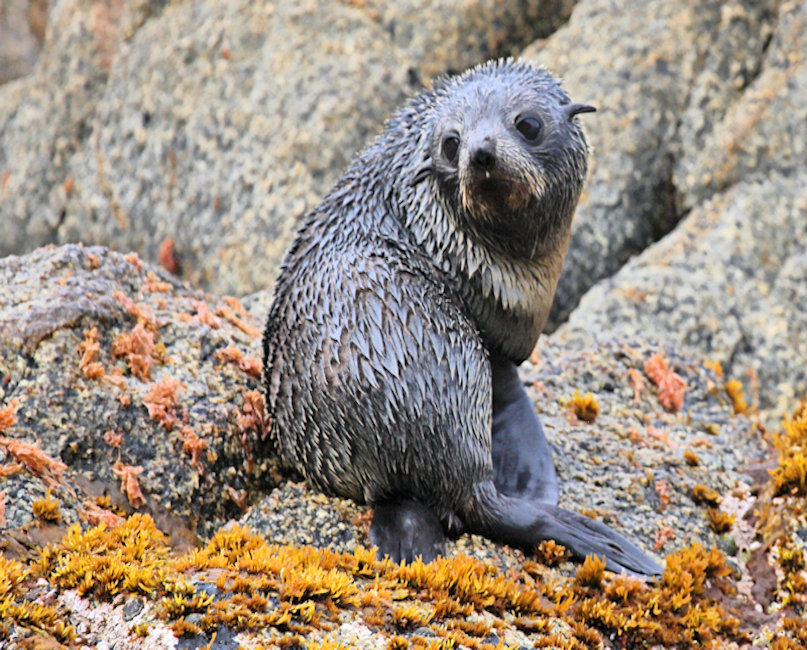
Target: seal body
407,299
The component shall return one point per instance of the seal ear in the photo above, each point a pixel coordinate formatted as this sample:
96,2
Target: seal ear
421,174
571,110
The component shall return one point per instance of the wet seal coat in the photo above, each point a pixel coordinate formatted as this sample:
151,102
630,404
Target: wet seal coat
405,303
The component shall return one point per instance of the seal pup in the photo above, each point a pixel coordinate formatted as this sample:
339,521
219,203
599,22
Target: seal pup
404,305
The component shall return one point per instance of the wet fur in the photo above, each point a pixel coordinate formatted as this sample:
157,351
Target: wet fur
408,297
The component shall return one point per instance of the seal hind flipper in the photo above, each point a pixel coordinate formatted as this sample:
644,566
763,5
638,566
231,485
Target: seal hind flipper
525,523
405,529
522,459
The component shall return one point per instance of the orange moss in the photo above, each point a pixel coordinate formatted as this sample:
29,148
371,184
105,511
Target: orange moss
671,387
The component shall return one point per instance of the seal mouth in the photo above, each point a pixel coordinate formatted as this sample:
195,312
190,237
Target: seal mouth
488,195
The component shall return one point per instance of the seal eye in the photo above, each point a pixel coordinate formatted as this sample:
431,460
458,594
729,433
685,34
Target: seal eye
530,127
451,145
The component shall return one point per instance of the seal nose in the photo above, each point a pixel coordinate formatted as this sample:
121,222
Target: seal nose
483,154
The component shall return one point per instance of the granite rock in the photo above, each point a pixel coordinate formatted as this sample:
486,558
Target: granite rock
120,372
661,76
204,130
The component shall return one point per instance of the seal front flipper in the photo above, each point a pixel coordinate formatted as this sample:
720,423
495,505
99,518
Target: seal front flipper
404,529
522,458
524,523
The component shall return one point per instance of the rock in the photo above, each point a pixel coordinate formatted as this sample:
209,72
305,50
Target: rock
22,29
130,379
198,133
661,75
728,283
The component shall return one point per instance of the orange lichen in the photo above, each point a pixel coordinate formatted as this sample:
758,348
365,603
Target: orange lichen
131,557
130,485
591,572
32,457
637,383
663,535
8,415
663,491
671,387
113,438
138,349
194,445
585,407
460,599
47,509
790,477
162,400
153,284
227,313
90,350
168,256
551,553
252,419
250,365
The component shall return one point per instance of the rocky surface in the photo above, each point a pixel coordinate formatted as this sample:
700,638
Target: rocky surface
134,382
22,30
728,283
174,128
210,127
662,76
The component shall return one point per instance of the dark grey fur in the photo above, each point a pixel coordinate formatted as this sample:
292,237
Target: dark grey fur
407,299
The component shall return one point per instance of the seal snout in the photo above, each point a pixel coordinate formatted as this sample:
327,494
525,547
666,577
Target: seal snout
483,154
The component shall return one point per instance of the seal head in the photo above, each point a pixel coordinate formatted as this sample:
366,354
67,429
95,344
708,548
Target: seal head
506,161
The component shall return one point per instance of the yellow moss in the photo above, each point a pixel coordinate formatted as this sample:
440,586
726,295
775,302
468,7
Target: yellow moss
47,509
130,557
691,458
585,407
412,615
591,572
719,521
705,496
551,553
790,477
734,389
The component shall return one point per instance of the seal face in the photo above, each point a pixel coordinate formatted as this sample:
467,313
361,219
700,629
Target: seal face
407,299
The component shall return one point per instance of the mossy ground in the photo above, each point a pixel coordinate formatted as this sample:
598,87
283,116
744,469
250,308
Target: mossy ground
287,596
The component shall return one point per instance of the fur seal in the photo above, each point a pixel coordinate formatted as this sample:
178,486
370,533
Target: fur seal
404,305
